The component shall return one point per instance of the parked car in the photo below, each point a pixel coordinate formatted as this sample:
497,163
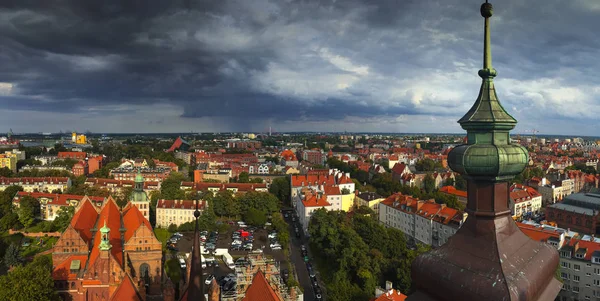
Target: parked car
182,263
272,235
285,275
274,245
276,248
178,234
209,279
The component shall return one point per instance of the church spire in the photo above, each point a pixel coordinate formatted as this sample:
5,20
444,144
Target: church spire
488,258
105,238
195,290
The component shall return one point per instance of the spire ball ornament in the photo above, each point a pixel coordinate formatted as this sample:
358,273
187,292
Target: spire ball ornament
487,10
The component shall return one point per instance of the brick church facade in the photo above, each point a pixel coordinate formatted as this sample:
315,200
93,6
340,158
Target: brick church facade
107,254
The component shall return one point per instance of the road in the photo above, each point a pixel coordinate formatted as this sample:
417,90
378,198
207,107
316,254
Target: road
298,261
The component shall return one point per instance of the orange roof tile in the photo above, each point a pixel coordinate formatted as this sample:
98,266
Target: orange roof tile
314,201
57,198
84,219
63,270
452,190
132,220
332,190
391,295
260,290
126,291
538,233
111,214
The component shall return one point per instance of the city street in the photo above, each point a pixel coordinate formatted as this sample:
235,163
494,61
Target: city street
298,261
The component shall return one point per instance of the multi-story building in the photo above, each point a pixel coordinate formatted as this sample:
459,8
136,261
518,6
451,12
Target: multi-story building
460,195
524,201
312,201
369,199
176,212
288,158
80,168
233,187
151,174
40,184
552,192
188,158
21,155
116,186
45,167
578,211
314,156
45,160
95,163
52,203
9,161
424,221
107,254
243,144
72,155
320,179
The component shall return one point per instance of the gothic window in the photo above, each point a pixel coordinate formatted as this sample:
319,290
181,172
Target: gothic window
72,285
145,272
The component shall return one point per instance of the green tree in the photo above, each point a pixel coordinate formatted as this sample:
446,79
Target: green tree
172,228
280,187
29,209
225,204
427,165
31,282
243,177
460,182
262,201
170,188
6,172
10,221
429,183
255,217
65,214
12,256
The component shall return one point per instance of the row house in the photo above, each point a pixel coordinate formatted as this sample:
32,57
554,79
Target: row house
72,155
157,174
116,186
52,203
552,192
216,187
176,212
166,165
37,184
461,195
524,201
95,162
423,221
400,171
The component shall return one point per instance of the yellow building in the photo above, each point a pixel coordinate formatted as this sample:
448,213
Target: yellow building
347,201
9,161
369,199
78,139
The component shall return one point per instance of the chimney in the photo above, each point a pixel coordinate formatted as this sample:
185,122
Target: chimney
388,285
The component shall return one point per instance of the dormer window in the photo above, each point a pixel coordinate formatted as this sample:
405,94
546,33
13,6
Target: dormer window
595,259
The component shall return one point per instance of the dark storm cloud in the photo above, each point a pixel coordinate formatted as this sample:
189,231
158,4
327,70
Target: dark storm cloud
310,61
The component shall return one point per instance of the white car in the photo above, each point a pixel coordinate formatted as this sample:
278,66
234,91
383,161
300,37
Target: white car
272,235
209,279
182,263
276,245
276,248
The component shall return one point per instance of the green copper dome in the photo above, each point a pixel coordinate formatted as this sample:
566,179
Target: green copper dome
139,178
488,152
105,237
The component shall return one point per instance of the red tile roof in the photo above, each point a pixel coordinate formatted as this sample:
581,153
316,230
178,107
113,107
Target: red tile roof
33,180
132,220
538,233
260,290
452,190
391,295
314,201
332,190
111,214
63,270
84,219
398,168
126,291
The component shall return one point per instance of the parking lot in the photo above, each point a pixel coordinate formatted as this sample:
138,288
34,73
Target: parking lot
223,241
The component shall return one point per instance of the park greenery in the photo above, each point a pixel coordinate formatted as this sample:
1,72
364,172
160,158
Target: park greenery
357,254
29,282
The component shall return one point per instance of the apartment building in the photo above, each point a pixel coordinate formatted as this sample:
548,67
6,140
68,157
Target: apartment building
424,221
9,161
37,184
21,155
524,201
176,212
312,201
369,199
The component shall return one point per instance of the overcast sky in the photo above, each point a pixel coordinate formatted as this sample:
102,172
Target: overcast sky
245,65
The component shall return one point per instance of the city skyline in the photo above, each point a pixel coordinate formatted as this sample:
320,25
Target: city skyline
311,66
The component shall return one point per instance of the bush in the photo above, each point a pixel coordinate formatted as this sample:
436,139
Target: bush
172,228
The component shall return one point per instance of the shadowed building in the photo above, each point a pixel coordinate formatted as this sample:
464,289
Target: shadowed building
489,258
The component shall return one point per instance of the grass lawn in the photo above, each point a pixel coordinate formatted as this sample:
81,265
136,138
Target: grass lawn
37,247
173,270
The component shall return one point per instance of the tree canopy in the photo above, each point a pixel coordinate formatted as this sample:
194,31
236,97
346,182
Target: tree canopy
31,282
